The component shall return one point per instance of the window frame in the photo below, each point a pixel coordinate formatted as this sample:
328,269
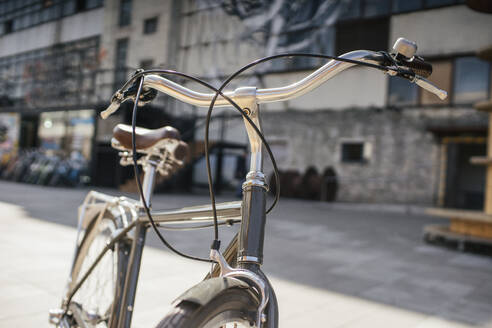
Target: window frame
121,13
33,13
155,26
364,159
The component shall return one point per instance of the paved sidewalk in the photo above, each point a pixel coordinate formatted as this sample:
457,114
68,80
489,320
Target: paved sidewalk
336,269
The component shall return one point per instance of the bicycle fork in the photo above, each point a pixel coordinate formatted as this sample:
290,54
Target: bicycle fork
252,230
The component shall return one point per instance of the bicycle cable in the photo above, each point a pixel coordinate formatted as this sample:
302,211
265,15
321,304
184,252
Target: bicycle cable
139,75
259,133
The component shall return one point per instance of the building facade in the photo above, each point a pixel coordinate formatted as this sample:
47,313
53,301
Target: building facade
385,139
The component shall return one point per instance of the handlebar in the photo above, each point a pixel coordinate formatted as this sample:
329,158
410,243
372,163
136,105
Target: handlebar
294,90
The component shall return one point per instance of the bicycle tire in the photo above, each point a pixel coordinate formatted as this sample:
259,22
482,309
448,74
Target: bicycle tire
97,295
234,305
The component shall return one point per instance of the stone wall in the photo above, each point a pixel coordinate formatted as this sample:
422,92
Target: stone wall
402,162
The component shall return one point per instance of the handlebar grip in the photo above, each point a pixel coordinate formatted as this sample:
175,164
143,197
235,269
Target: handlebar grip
419,66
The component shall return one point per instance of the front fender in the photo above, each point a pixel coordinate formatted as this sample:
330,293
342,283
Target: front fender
206,290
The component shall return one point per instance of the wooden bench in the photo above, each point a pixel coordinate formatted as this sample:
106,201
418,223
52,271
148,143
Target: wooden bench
471,223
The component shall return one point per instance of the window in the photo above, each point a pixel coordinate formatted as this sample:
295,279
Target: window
69,7
150,25
28,78
471,80
369,34
8,27
352,152
373,8
438,3
402,92
125,17
26,13
400,6
351,9
47,3
93,3
120,61
80,5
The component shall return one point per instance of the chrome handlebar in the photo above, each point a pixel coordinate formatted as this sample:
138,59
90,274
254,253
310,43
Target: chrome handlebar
294,90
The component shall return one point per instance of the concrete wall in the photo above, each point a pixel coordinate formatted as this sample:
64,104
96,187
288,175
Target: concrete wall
71,28
402,156
447,30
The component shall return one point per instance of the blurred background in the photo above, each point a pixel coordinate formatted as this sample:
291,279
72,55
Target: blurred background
380,139
394,162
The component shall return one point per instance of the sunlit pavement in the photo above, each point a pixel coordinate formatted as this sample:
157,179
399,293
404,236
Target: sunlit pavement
330,267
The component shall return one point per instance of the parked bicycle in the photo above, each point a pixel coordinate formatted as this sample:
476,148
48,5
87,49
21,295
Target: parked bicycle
37,167
111,231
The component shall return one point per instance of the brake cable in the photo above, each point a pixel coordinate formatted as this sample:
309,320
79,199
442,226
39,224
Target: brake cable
140,75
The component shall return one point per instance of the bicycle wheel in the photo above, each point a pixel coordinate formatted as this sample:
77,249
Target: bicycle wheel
235,308
97,295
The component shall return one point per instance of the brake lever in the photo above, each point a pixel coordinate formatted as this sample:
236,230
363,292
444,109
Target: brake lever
429,86
116,101
417,79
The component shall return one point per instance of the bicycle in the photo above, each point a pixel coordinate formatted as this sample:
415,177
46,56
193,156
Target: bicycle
236,293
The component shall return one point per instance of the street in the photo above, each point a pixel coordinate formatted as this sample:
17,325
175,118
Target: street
331,266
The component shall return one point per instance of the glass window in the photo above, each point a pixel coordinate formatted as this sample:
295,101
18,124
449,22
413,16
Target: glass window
125,13
402,92
150,25
438,3
471,80
370,34
8,26
120,60
406,5
350,9
93,3
121,52
373,8
36,17
69,7
352,152
441,76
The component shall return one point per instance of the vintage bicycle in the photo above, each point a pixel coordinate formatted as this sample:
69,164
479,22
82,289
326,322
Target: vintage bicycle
111,231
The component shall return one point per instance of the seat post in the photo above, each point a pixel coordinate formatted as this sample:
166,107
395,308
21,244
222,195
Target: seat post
148,181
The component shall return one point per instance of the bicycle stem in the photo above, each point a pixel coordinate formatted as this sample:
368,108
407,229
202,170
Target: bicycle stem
252,231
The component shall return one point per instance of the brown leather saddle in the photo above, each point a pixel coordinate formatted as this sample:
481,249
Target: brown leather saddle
144,138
